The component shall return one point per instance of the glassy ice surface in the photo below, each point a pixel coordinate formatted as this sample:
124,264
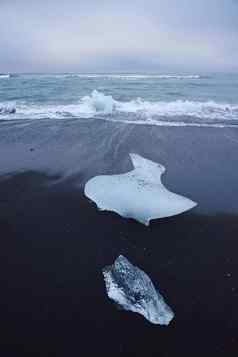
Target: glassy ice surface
133,290
138,194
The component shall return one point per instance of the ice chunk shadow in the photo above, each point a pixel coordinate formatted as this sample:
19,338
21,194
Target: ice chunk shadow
133,290
138,194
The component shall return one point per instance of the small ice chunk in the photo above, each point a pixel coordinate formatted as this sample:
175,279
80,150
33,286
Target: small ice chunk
133,290
138,194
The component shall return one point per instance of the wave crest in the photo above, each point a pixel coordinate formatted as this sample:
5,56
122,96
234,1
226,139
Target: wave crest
99,103
138,111
4,76
132,76
7,109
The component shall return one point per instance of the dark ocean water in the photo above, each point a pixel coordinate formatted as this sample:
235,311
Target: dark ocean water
141,98
55,242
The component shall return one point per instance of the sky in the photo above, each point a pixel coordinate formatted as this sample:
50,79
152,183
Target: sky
118,36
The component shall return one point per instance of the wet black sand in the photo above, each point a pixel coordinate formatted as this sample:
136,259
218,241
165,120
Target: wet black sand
54,244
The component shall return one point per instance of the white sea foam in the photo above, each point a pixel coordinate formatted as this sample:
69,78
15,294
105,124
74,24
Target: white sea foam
98,103
127,76
136,111
135,76
6,109
138,194
4,76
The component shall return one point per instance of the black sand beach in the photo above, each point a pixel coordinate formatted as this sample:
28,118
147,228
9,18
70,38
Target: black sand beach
54,241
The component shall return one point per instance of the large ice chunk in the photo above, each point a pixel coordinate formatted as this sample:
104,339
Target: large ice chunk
133,290
138,194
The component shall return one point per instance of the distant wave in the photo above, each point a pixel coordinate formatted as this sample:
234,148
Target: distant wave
133,76
8,75
137,111
3,76
127,77
122,76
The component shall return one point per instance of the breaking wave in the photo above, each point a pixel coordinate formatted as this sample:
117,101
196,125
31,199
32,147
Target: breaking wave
4,76
137,111
128,77
132,76
7,109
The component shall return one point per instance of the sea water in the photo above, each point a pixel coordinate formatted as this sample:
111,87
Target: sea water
153,99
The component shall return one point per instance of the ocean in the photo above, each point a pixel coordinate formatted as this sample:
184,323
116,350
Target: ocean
58,131
163,99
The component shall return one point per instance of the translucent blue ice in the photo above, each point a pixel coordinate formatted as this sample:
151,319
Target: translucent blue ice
138,194
133,290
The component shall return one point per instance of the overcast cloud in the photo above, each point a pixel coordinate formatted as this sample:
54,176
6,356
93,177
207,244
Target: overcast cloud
106,36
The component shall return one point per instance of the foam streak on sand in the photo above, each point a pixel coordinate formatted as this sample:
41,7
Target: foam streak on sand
138,194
